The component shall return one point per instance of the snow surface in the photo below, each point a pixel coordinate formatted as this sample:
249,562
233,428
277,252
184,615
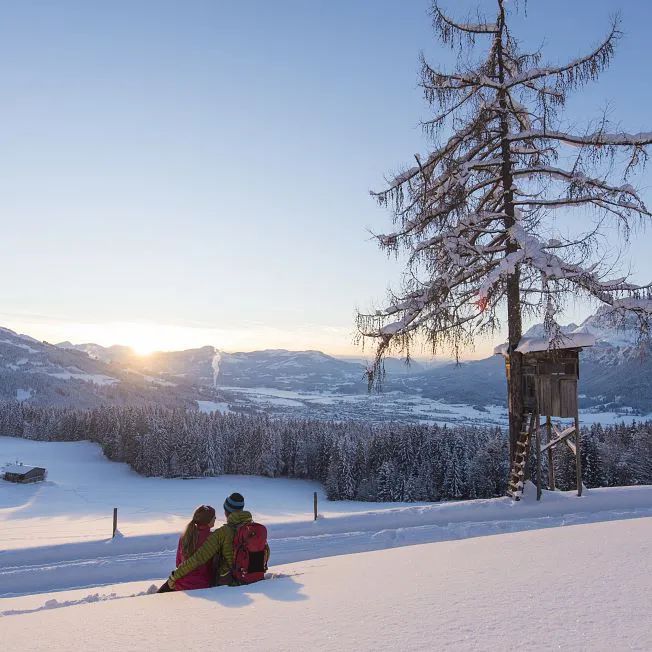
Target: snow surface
98,379
27,348
584,587
393,406
56,535
76,503
23,395
213,406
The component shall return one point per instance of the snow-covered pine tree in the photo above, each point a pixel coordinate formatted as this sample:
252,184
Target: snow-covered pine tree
390,486
270,461
592,472
456,476
476,216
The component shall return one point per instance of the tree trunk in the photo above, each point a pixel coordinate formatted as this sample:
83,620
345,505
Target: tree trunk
515,382
515,326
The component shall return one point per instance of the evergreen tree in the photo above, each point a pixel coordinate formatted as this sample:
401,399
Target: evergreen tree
592,471
456,478
390,487
355,461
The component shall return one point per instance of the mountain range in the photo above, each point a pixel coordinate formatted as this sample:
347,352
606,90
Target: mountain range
616,372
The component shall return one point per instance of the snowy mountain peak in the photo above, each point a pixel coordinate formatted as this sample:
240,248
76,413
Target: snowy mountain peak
599,324
539,332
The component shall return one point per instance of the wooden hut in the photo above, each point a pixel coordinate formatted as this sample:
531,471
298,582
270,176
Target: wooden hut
23,473
550,375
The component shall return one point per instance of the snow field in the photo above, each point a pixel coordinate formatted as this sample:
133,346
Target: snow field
585,587
76,503
392,405
55,536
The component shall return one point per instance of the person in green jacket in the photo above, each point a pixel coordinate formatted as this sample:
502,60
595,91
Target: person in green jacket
218,545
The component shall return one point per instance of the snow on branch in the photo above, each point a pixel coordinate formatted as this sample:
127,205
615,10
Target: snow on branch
447,27
439,119
468,160
583,189
598,200
552,267
577,178
437,296
474,223
536,254
433,159
578,71
596,139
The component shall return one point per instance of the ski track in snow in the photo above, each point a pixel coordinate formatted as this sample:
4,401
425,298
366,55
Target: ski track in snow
62,521
569,588
79,565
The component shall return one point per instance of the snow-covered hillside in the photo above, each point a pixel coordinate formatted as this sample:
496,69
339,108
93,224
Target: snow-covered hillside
76,503
47,375
614,379
56,535
584,587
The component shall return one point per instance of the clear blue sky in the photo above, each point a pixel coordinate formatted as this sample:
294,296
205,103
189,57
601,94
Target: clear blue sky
182,173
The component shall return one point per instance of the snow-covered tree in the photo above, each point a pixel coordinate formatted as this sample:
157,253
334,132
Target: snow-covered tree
487,217
592,472
356,461
456,474
390,486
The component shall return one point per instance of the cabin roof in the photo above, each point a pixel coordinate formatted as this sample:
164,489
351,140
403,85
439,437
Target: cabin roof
20,469
532,344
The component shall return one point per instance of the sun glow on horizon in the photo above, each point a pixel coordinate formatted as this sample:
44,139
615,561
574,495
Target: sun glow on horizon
145,338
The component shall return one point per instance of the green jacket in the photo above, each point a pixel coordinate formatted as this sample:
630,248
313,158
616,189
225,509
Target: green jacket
218,545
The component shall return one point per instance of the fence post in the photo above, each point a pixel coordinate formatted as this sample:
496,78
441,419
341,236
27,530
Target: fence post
315,504
115,521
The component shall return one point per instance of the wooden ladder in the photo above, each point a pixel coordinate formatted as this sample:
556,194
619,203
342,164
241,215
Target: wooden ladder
519,465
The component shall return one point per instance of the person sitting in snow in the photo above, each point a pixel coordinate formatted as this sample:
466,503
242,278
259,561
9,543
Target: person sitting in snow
194,536
218,547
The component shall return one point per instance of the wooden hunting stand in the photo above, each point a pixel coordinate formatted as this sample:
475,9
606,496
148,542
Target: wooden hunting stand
549,379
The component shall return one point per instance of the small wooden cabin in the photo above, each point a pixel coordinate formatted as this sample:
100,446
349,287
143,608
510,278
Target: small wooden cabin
23,473
550,375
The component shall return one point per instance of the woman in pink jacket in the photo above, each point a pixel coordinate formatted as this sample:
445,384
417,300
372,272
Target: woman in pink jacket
193,537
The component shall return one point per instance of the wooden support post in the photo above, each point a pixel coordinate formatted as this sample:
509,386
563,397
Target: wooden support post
561,437
578,455
315,504
551,461
570,445
537,434
115,521
528,450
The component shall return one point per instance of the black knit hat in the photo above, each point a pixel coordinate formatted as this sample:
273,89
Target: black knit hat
234,503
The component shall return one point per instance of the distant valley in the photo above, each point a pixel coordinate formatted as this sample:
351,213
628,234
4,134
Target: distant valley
616,375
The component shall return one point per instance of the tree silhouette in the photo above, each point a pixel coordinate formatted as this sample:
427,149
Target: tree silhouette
479,216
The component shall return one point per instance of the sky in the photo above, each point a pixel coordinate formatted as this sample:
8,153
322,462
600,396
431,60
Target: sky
174,174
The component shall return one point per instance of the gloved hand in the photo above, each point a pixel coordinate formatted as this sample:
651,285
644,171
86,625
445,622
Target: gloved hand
167,586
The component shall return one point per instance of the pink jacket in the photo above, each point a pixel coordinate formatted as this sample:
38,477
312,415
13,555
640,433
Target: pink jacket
202,577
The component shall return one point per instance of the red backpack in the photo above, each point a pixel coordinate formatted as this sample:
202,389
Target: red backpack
250,553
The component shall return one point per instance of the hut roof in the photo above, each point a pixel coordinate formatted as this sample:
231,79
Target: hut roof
20,469
567,341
